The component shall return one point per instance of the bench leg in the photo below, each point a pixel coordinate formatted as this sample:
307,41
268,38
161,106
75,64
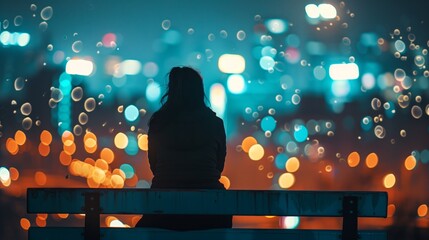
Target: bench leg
92,216
350,219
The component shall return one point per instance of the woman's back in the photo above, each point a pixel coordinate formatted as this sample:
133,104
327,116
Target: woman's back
187,149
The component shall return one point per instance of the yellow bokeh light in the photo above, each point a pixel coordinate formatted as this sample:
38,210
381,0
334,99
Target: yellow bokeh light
410,162
422,211
102,164
46,137
117,181
143,142
286,180
247,143
20,138
98,175
353,159
44,150
90,143
109,219
67,138
292,164
256,152
328,168
11,146
225,181
40,178
121,140
119,172
89,135
92,183
389,180
371,160
107,154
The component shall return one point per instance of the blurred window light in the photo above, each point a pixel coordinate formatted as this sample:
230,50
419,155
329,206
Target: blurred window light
327,11
344,71
218,99
312,11
231,63
236,84
130,67
340,88
80,67
153,91
13,39
4,38
368,81
276,26
23,39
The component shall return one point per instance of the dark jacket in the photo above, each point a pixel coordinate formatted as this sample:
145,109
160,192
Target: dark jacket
186,149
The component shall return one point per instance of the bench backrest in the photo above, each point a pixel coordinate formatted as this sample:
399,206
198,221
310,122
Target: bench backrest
93,202
233,202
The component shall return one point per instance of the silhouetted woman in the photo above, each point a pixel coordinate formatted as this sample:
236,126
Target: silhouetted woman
187,148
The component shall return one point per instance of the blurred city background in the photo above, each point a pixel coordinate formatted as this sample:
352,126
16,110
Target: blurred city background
315,95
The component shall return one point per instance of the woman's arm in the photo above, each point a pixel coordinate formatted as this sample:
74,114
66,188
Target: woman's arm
222,147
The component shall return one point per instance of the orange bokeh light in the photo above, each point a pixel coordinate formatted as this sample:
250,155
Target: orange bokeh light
40,178
46,137
25,223
44,150
107,154
410,162
371,160
353,159
20,137
67,138
65,159
247,143
225,181
143,142
14,174
70,149
11,146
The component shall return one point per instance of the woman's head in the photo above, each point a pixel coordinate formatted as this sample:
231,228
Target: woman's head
185,89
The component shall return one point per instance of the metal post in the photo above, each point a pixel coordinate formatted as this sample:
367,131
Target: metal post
350,218
92,216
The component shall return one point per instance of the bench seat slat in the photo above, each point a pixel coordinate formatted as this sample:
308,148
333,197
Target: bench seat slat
234,202
74,233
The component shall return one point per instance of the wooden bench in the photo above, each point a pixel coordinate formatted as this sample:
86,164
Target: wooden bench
93,202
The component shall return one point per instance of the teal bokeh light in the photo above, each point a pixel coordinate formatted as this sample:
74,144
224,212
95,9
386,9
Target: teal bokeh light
280,161
132,148
301,133
131,113
268,123
128,170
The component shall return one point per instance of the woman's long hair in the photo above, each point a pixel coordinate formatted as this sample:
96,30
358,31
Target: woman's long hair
185,89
